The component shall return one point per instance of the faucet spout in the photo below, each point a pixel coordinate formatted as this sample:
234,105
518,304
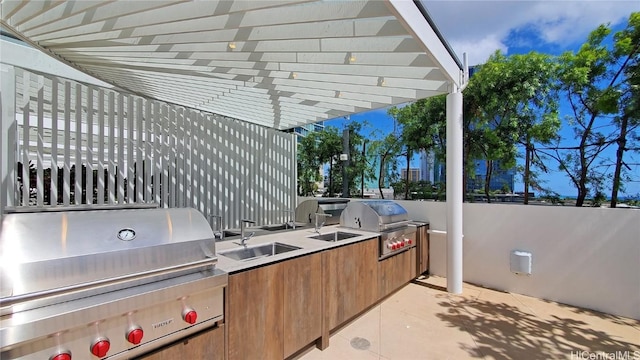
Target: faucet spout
292,222
318,226
243,238
217,231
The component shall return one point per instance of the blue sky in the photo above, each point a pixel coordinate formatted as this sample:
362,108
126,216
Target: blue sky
479,28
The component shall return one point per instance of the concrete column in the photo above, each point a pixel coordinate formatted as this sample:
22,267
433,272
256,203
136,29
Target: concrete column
454,192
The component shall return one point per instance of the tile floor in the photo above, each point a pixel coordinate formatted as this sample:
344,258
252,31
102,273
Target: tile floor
423,321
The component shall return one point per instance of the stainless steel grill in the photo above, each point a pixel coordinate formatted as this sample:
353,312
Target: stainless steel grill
110,284
385,217
306,210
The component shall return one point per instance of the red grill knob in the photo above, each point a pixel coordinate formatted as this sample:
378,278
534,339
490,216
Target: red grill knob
61,356
190,316
135,336
100,347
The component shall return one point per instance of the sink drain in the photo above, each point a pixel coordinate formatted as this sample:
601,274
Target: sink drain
360,343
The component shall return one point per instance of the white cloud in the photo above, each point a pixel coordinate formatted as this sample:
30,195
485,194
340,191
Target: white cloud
479,51
481,27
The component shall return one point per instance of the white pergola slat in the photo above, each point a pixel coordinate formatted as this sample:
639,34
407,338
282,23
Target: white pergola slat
279,64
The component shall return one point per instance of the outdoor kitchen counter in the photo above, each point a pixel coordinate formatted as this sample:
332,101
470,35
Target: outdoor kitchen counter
299,238
276,306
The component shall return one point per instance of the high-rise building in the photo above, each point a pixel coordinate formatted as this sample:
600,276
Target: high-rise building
501,179
426,166
302,131
414,174
431,169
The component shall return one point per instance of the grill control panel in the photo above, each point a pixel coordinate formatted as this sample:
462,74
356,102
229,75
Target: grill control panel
142,328
393,243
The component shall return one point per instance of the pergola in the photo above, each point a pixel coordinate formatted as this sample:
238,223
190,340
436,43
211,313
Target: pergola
279,63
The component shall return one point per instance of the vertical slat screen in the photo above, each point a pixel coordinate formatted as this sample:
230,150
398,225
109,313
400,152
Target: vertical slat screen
66,172
40,154
111,166
101,150
137,150
89,150
119,162
53,197
77,192
25,140
131,172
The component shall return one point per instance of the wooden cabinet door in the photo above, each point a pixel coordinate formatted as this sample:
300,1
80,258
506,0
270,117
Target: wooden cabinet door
255,314
351,274
208,344
395,271
366,258
302,302
340,281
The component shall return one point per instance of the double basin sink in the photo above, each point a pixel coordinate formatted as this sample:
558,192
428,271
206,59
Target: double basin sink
246,253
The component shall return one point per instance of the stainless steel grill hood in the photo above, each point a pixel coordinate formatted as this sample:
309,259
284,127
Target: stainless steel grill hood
110,284
47,250
374,215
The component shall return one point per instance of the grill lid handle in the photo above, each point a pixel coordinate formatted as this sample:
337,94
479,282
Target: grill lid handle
37,295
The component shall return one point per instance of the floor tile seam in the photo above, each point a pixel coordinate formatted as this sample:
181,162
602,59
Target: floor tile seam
465,327
533,312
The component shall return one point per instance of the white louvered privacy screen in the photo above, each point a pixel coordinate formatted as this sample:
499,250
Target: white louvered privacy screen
142,151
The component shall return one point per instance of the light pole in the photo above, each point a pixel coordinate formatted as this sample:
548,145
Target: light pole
345,158
364,159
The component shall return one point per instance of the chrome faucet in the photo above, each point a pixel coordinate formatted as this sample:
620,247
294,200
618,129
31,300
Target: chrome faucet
217,231
319,226
292,221
243,238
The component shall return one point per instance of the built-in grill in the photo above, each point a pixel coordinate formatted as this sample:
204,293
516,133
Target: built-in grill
109,284
385,217
306,210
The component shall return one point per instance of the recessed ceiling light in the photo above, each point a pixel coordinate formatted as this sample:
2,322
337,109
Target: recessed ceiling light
232,45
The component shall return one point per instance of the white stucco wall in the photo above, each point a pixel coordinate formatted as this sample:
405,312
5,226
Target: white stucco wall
587,257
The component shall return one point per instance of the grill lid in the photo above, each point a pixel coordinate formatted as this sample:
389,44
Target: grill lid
374,215
51,250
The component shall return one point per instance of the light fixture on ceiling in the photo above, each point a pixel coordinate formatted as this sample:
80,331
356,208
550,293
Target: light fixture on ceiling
382,81
232,45
293,75
338,94
352,58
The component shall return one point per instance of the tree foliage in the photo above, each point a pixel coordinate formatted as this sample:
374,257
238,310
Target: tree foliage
512,104
422,128
593,80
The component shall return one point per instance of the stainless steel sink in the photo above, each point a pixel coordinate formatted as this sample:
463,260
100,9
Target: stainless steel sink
258,251
334,236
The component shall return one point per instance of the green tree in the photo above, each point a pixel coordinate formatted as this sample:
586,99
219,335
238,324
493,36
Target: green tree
386,151
308,164
627,47
515,105
423,127
329,150
591,80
